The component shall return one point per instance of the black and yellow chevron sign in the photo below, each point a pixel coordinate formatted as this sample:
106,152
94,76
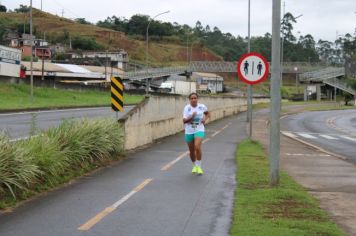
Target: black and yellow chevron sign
117,94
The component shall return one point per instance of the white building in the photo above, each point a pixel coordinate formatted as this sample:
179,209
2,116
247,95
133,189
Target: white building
118,59
10,62
208,82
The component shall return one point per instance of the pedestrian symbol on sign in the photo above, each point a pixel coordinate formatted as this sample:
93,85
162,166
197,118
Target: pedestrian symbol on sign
246,65
259,68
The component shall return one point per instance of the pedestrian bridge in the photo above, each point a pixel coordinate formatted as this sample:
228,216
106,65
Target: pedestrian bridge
309,73
213,67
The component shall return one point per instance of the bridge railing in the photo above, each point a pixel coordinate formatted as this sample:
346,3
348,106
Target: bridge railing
154,72
321,75
215,67
340,85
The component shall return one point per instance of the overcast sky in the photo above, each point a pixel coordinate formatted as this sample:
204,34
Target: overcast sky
321,18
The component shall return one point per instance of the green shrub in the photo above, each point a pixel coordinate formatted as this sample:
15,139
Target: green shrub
54,156
17,171
86,43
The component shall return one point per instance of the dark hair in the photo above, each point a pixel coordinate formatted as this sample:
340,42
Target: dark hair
194,93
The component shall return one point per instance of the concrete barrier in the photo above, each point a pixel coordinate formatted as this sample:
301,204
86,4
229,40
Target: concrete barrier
160,116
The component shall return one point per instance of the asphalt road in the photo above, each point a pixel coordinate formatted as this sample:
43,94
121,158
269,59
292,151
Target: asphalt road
18,125
152,192
334,131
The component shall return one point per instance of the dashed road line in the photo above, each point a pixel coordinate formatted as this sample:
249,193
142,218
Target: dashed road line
348,138
317,136
183,155
308,136
170,164
328,137
101,215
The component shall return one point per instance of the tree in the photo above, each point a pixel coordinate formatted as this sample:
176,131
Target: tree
352,83
3,8
325,50
307,41
137,24
22,9
82,21
287,27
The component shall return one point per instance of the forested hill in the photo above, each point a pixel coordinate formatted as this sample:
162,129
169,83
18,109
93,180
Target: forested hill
230,47
172,43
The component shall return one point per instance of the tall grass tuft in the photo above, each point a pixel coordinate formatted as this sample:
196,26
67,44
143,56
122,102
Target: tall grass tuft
47,159
17,171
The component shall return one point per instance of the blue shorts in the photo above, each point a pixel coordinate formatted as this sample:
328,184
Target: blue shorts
190,137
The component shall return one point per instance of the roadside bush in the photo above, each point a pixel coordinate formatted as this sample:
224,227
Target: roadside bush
17,171
62,152
86,43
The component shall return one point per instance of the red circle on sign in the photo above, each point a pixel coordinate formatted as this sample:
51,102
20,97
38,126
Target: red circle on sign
243,78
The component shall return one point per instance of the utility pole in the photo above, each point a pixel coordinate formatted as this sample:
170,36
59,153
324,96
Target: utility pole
43,52
106,65
274,146
41,6
31,60
62,12
282,44
249,87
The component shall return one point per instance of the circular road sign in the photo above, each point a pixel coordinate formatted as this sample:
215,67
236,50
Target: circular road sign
252,68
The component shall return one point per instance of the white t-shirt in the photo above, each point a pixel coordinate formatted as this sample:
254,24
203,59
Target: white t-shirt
195,125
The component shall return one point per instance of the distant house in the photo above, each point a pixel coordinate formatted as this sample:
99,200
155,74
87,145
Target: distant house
117,59
41,51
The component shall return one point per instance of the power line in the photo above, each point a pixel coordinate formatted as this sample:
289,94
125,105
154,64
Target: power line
66,9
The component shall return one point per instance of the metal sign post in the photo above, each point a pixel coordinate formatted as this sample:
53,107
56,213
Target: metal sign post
252,68
117,95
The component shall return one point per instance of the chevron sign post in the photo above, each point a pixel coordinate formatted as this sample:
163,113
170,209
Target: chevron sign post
117,94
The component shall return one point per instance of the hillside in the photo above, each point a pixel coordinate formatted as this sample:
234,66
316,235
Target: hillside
55,28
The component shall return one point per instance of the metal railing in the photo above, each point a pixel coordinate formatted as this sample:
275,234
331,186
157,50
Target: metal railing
155,72
215,67
322,75
340,84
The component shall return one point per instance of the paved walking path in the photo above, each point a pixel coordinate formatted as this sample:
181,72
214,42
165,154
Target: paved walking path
152,192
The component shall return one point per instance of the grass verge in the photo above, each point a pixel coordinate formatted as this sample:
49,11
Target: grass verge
54,157
17,96
309,106
262,210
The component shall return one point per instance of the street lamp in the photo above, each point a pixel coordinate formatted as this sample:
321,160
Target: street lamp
191,47
148,26
282,46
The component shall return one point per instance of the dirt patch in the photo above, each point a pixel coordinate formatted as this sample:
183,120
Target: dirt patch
291,209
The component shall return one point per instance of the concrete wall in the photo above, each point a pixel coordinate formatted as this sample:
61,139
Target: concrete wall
160,116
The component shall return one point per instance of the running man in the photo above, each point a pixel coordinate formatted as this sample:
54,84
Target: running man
194,117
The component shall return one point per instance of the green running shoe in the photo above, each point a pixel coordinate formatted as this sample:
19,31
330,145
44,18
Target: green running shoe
195,169
200,170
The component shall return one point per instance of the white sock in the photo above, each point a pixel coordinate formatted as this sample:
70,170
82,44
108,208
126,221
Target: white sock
194,163
198,163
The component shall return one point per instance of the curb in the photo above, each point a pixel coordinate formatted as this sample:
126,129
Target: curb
55,108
